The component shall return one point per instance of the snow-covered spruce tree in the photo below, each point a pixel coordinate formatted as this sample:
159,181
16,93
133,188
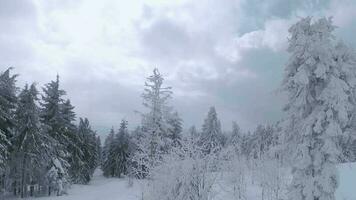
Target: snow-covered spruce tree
260,141
236,137
211,136
122,150
30,144
154,123
8,102
119,150
193,133
175,128
320,84
108,164
54,124
89,148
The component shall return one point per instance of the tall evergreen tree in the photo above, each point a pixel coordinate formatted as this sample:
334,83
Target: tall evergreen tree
119,149
211,136
89,149
30,143
155,98
8,101
55,125
108,162
320,82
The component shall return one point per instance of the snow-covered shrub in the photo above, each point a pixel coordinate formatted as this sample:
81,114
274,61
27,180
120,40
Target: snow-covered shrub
184,174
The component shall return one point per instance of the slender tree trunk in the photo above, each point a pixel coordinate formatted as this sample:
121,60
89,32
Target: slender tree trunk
15,189
23,177
49,190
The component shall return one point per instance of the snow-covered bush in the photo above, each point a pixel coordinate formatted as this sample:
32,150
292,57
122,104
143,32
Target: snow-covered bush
184,174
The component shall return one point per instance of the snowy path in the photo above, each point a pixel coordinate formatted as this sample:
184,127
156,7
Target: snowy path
101,188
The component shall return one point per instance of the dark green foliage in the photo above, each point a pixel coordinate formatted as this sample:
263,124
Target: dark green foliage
118,148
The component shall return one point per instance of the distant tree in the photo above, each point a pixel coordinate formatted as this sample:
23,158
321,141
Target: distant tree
108,165
211,136
89,149
175,128
118,152
236,137
193,133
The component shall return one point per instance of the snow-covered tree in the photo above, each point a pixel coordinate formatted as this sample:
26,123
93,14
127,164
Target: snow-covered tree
89,149
30,143
175,128
211,136
122,149
8,102
55,125
108,165
154,122
118,152
236,137
320,81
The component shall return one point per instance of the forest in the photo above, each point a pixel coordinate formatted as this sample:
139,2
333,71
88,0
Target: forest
45,148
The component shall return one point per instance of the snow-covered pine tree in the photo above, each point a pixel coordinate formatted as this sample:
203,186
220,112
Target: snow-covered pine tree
193,133
89,149
74,143
236,137
55,125
122,150
175,128
30,143
108,162
118,154
8,102
211,136
155,99
320,85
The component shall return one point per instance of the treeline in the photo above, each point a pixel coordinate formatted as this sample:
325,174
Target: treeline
42,150
134,153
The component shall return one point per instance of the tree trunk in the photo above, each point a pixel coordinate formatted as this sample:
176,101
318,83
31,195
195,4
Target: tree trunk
23,177
49,190
15,189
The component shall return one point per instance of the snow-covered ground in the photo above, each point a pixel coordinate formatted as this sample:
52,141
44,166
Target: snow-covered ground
101,188
347,187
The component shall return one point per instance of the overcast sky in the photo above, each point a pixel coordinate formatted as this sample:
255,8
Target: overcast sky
226,53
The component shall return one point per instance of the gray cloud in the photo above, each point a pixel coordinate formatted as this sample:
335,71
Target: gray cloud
224,53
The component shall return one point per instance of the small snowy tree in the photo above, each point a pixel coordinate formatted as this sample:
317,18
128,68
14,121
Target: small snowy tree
320,82
236,137
175,128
